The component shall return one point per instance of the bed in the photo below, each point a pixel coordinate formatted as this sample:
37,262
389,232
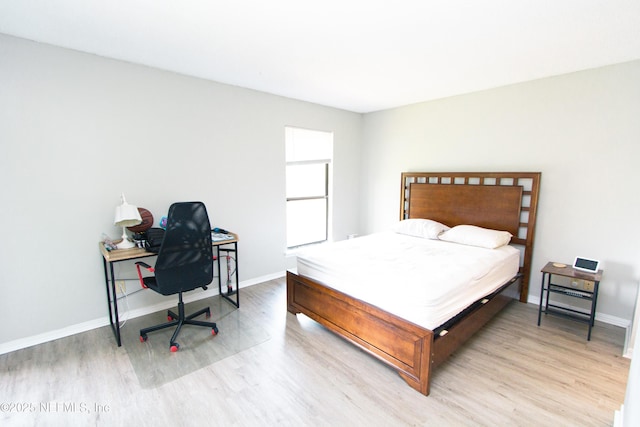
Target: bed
491,200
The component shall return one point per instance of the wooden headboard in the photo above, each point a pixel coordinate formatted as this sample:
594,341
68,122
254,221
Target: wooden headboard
496,200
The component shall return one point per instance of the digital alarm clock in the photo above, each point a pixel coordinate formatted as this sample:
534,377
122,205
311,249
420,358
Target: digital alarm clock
586,264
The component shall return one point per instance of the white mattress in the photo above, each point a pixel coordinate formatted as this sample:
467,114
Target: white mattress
424,281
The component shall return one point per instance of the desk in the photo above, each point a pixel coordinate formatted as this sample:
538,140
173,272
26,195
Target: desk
110,258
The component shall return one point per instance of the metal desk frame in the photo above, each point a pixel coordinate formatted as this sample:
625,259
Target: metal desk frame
109,258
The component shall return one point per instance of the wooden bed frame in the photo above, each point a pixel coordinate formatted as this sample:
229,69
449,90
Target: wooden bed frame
501,201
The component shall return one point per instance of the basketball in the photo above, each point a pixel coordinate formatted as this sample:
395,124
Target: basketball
147,222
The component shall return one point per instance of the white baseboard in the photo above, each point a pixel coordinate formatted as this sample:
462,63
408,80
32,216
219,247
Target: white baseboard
628,347
617,417
21,343
601,317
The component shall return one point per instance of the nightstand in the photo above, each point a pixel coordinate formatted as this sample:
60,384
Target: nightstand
574,284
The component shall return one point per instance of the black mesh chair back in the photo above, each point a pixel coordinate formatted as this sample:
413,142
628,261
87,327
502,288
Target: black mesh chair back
185,257
185,262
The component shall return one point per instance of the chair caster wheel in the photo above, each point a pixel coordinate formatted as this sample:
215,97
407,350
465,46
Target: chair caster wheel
207,314
214,331
143,338
175,347
169,318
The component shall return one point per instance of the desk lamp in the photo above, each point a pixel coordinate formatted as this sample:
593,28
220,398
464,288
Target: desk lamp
126,216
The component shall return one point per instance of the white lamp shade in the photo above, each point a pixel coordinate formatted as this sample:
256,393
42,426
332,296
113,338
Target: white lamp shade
127,215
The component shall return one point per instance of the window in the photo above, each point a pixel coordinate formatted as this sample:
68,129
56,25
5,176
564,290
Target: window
308,158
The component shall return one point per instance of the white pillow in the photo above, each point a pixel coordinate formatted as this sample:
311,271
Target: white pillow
476,236
418,227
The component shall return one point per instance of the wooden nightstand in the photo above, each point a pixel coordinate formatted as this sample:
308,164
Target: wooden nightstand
579,285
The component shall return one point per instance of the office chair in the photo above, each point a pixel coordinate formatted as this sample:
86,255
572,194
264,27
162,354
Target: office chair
184,263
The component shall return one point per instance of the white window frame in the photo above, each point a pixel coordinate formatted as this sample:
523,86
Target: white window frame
327,162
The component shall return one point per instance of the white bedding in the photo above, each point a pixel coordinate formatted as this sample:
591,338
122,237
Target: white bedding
421,280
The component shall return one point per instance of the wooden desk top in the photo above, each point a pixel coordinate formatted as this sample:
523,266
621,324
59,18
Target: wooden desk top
133,253
569,271
123,254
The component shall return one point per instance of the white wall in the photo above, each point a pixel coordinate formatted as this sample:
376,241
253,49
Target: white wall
76,130
581,130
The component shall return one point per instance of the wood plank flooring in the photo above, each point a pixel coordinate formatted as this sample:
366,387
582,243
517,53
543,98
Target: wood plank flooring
511,373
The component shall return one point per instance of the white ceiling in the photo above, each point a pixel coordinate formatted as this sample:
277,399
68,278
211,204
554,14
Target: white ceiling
358,55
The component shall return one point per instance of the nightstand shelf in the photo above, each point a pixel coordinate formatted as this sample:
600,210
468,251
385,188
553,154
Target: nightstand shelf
586,288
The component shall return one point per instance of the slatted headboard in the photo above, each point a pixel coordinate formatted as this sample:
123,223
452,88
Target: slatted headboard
497,200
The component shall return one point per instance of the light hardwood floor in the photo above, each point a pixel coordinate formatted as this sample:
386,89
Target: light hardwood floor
511,373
